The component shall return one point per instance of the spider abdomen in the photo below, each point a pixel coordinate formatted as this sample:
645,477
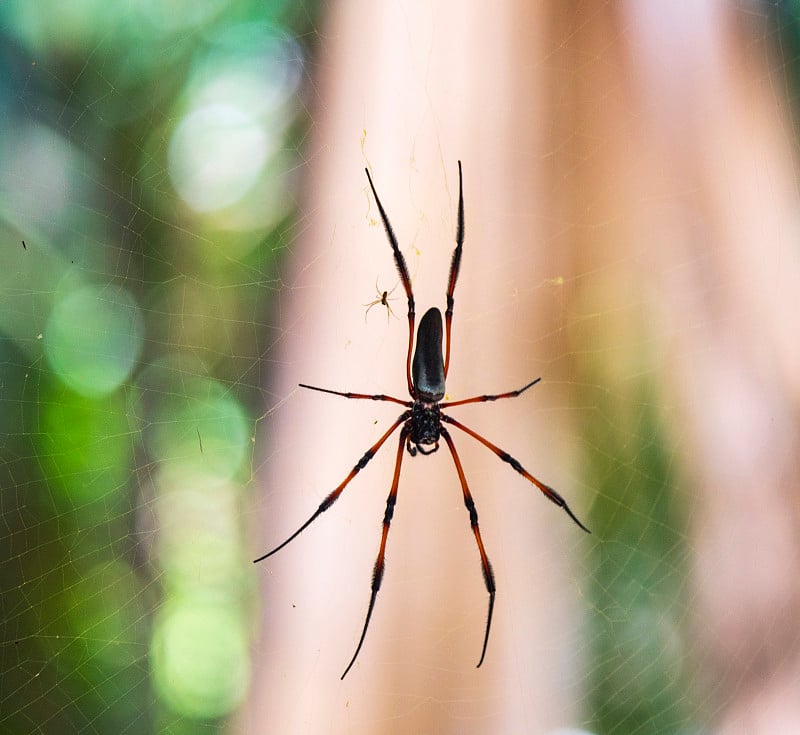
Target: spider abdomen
428,368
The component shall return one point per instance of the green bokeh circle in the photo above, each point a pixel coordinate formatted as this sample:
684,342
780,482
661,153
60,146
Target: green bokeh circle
93,338
200,659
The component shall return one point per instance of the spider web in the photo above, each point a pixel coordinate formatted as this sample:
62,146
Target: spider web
187,234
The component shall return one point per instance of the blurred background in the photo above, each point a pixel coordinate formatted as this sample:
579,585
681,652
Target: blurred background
187,233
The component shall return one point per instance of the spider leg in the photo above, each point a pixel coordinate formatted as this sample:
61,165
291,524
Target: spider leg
402,269
551,494
482,399
333,496
488,574
455,266
366,396
377,573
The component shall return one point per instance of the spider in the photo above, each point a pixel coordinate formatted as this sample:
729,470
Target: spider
422,423
383,298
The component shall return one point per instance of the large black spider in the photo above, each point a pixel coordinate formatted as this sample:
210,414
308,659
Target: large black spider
422,421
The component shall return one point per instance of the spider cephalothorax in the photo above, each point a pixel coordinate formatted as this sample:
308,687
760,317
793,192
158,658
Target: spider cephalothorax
422,421
425,426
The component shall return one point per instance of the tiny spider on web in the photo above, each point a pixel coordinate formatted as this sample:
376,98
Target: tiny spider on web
383,298
422,423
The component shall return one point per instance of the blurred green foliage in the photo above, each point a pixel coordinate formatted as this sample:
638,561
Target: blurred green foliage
639,575
147,157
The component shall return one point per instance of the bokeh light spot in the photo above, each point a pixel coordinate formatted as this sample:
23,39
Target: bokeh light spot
253,65
199,546
163,19
193,421
234,147
93,338
200,659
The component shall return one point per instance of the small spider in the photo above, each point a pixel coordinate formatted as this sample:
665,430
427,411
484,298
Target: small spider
422,423
383,298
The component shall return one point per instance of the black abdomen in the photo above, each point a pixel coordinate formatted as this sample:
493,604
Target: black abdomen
427,369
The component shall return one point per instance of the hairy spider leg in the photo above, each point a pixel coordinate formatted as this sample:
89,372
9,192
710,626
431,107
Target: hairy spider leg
488,574
363,396
484,398
377,572
455,266
551,494
333,496
402,269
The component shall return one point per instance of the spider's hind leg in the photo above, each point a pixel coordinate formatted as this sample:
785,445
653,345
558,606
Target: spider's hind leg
546,490
377,572
488,574
333,496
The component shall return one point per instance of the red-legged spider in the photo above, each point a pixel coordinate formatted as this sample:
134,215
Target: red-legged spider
421,424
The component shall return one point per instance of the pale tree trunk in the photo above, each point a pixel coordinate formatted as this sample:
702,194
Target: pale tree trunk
606,173
408,90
